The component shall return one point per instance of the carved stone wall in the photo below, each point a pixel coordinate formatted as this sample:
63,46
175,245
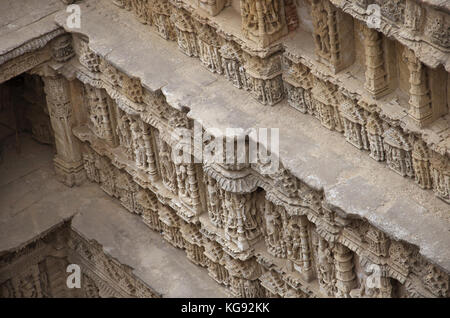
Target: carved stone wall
38,270
257,234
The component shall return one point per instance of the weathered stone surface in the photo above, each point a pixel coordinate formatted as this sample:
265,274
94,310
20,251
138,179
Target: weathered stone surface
119,91
33,203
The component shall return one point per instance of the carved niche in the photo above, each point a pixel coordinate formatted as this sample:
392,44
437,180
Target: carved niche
123,131
99,114
326,104
398,152
241,224
274,230
188,188
244,277
209,44
421,164
170,226
161,19
193,243
125,190
440,170
437,27
146,205
355,119
215,262
214,194
298,246
375,132
393,10
166,165
142,146
325,269
232,64
298,82
89,162
185,30
374,282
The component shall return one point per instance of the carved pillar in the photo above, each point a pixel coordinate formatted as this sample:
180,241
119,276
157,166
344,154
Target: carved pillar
376,77
345,275
150,152
420,96
332,48
263,21
188,190
68,161
307,271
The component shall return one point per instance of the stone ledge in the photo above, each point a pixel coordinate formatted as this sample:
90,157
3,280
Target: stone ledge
28,26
